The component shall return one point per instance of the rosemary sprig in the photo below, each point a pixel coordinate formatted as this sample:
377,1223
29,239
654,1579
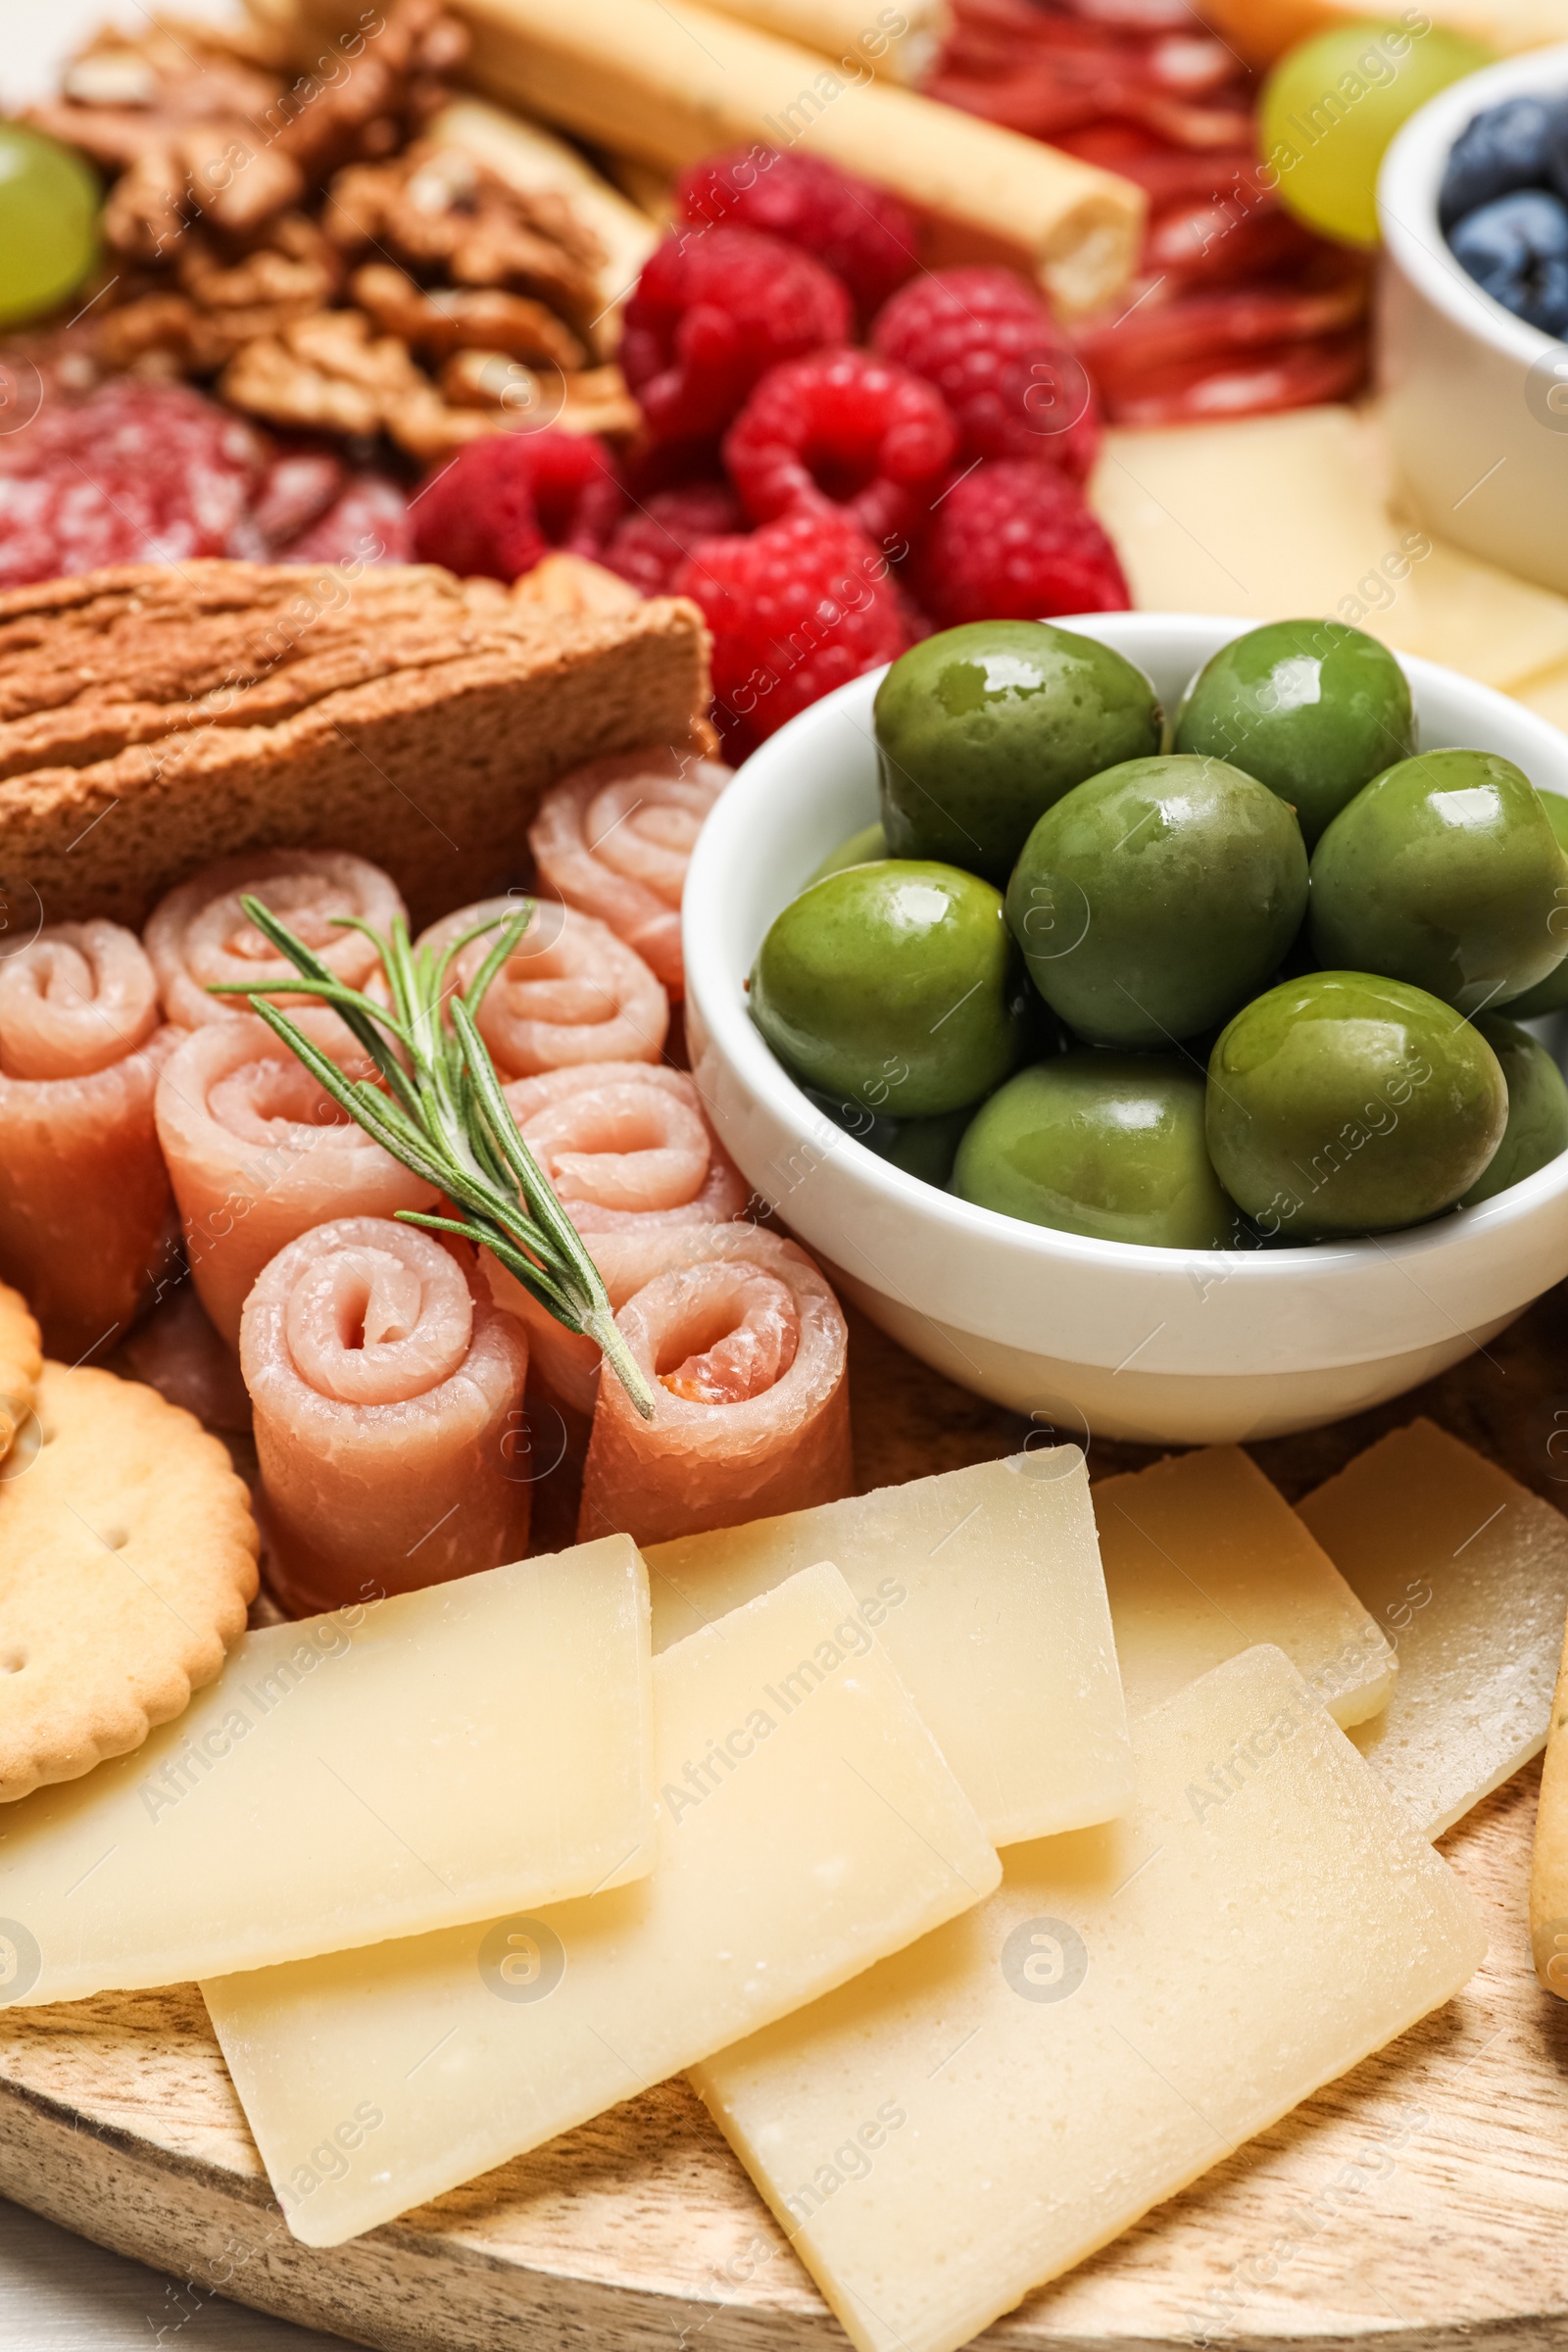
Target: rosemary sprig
442,1114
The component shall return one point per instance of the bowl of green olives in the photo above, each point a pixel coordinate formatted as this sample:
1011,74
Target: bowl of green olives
1147,1018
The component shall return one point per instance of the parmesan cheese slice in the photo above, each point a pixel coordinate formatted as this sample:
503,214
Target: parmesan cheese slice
807,1827
1469,1572
398,1765
1205,1557
985,1590
977,2115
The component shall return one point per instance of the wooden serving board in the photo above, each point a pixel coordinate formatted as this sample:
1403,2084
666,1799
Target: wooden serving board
1422,2199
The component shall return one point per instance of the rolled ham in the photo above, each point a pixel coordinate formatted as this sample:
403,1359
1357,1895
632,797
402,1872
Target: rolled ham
258,1152
628,1151
615,839
572,993
200,933
86,1215
386,1390
747,1347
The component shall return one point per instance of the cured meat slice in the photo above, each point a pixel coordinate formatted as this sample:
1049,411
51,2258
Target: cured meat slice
572,993
386,1389
258,1153
615,839
748,1348
628,1151
200,933
86,1216
134,473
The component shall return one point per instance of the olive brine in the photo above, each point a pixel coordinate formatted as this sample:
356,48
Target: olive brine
1232,982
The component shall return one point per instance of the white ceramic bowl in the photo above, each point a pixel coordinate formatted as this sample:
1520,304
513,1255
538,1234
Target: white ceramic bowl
1475,402
1170,1346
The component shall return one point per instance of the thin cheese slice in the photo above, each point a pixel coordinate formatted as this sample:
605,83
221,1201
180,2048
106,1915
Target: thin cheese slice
985,1590
1469,1572
1273,517
1546,693
1474,616
979,2114
1267,518
807,1827
398,1765
1204,1557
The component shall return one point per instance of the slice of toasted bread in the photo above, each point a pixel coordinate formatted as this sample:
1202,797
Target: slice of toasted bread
154,718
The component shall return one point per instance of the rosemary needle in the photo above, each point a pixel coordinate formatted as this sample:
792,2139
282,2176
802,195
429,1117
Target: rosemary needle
440,1110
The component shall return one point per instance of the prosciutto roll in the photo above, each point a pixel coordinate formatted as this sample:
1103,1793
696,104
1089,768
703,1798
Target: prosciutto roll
572,993
386,1391
258,1153
628,1151
615,839
200,933
747,1347
86,1215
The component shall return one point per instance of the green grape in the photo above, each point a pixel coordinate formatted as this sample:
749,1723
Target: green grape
1330,107
48,223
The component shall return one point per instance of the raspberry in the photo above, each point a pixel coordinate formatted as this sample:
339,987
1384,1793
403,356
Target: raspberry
802,606
506,500
650,547
861,233
844,427
1015,541
999,360
714,310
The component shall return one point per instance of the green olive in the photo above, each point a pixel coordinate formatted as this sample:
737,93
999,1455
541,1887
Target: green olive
865,848
980,728
1154,900
1313,708
1344,1103
1110,1145
1537,1108
1551,994
896,985
1444,871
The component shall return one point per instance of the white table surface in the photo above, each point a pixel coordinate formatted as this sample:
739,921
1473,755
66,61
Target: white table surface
57,2292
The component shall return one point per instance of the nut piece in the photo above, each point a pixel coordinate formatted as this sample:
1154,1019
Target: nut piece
434,208
196,130
447,319
326,370
565,584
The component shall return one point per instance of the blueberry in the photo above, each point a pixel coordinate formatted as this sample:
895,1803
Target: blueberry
1523,143
1517,250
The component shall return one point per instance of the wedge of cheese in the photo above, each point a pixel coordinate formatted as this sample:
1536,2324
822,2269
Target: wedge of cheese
1469,1573
1205,1557
979,2114
398,1765
985,1590
807,1827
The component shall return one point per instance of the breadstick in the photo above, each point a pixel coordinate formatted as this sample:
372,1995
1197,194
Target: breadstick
671,80
1548,1869
836,27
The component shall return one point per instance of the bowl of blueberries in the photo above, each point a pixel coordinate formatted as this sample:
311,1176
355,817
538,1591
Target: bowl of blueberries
1473,313
1148,1019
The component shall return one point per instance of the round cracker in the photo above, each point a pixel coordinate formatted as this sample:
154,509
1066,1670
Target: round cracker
20,1362
128,1561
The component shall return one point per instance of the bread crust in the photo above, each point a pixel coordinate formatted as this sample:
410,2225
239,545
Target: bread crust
153,719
